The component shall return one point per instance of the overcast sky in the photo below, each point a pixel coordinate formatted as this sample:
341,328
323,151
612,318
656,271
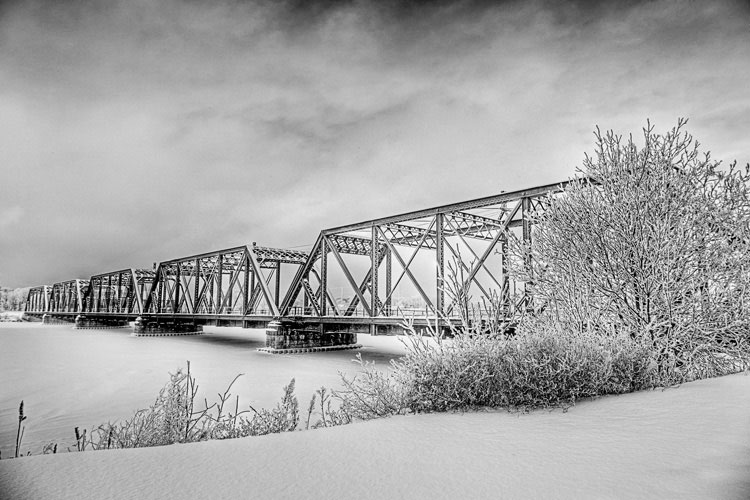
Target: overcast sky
138,131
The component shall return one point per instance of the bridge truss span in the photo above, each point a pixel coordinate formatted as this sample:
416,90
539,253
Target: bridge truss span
415,264
426,265
37,300
68,296
236,282
119,292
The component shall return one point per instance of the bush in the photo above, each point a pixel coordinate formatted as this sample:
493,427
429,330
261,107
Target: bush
173,418
371,394
283,418
536,368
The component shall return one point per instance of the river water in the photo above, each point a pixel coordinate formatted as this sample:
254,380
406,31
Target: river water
82,378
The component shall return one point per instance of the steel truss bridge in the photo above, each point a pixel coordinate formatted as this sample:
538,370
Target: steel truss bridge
409,266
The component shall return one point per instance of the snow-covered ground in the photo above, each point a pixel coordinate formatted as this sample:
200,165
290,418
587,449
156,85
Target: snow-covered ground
687,442
682,443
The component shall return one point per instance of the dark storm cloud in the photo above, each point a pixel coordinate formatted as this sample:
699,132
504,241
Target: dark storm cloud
139,131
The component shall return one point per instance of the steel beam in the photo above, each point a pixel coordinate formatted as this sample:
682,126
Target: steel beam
350,279
440,263
498,199
477,265
408,273
323,274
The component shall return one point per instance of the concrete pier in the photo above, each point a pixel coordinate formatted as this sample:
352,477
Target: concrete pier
84,323
289,336
165,328
48,319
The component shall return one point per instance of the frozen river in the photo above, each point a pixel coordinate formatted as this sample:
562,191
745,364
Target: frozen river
84,378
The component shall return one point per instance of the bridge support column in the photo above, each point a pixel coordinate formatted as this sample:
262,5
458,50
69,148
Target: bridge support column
84,323
150,327
48,319
289,336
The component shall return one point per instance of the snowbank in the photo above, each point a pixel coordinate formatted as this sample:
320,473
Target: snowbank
688,442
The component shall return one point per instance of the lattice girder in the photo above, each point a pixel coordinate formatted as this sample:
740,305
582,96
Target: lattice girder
68,296
236,281
37,300
446,231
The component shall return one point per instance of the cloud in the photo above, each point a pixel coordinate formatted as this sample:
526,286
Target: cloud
139,131
10,216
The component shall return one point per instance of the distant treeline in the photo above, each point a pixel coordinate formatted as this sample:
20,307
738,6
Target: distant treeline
12,299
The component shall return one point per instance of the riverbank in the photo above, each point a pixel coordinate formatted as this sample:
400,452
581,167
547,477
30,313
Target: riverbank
11,316
687,442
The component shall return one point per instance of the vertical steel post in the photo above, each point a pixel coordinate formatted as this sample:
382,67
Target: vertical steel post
278,283
388,281
505,280
97,295
440,262
108,294
177,286
323,275
230,289
219,276
374,261
526,213
251,292
119,292
134,295
210,305
305,301
196,306
246,283
160,291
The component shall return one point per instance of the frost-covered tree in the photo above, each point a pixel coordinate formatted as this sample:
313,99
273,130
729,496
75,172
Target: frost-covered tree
12,299
651,242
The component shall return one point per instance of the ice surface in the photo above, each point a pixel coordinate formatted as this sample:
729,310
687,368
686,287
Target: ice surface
84,378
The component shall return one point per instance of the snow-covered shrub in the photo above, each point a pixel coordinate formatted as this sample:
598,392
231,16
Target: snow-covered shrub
170,419
283,418
173,418
538,367
370,394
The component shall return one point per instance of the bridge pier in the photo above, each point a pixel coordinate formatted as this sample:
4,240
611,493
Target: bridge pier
84,323
290,336
48,319
149,327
